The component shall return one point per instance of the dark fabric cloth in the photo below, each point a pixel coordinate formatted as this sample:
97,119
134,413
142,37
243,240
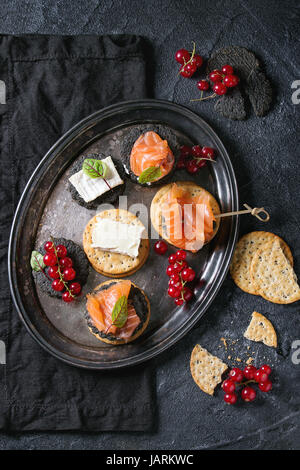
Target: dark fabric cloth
51,83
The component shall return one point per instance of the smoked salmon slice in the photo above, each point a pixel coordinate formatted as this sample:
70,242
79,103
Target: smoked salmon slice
100,307
188,219
150,150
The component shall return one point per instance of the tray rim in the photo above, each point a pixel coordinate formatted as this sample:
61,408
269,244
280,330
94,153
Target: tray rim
198,313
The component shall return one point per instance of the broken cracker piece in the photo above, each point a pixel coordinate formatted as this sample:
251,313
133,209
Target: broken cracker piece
272,274
261,329
206,369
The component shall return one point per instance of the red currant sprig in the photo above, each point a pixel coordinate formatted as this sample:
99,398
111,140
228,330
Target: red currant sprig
180,273
189,62
56,258
199,157
253,375
221,80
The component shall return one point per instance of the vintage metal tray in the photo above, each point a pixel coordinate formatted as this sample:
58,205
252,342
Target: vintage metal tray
46,208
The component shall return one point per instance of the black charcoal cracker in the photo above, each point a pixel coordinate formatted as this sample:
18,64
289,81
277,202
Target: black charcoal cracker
110,197
252,80
232,106
140,305
80,264
133,134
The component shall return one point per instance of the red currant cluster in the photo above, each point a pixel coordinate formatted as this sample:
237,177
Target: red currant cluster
194,158
61,271
221,80
189,62
179,272
252,375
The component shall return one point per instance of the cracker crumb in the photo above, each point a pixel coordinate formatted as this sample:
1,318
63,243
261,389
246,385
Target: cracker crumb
224,342
250,360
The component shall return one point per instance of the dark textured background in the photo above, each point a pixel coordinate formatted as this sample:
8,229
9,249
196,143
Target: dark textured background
265,154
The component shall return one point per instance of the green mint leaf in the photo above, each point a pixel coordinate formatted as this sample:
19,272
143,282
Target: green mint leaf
37,262
150,174
94,168
120,313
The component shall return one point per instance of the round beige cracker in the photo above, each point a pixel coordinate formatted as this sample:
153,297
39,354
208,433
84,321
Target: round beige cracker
114,264
273,276
138,333
243,255
160,198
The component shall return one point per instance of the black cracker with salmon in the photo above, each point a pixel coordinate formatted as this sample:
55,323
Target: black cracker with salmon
80,264
110,197
254,85
139,302
129,139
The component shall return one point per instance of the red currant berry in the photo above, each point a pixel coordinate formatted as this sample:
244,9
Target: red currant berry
192,166
230,398
170,270
197,151
248,394
179,301
172,258
175,277
188,70
261,376
185,151
160,247
49,247
219,88
66,262
197,60
177,267
188,274
215,76
231,81
265,386
228,386
267,369
53,272
203,85
174,283
236,374
249,372
208,152
61,251
182,56
50,259
67,297
57,285
180,163
75,288
174,292
227,69
180,255
187,294
69,274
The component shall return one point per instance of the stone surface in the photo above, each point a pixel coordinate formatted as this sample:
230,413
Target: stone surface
265,155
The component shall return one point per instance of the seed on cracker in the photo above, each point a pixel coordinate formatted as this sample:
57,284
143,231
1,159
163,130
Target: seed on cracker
273,276
261,329
206,369
243,256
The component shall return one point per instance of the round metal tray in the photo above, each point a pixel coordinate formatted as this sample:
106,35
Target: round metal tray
46,208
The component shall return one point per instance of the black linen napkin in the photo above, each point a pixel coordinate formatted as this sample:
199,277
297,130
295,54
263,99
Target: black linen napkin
48,83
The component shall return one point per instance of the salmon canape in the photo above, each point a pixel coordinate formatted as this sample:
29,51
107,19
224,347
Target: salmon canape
117,311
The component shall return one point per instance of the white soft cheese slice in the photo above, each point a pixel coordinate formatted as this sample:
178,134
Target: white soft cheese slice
110,235
91,188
